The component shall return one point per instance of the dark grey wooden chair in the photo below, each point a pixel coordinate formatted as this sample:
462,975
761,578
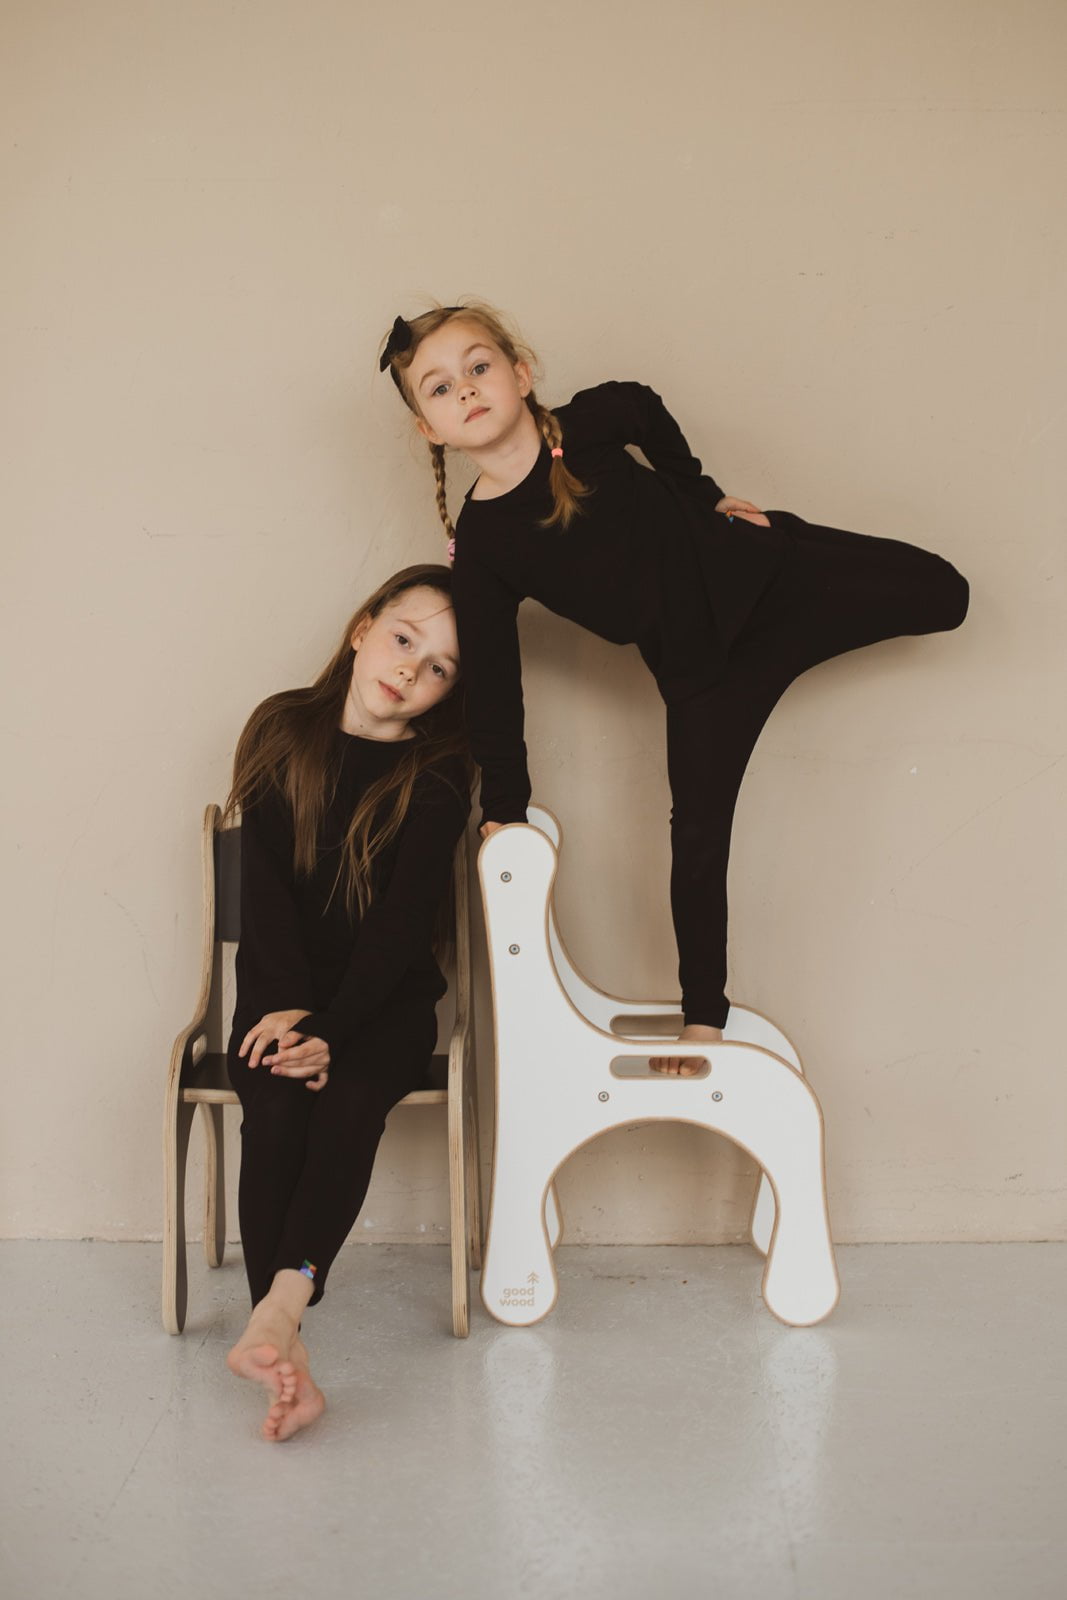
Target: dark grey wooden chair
198,1077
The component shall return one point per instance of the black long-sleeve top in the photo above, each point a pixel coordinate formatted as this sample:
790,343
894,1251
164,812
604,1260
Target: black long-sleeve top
300,948
646,561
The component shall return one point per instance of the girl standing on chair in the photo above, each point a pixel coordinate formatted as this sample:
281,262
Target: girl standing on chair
352,794
727,604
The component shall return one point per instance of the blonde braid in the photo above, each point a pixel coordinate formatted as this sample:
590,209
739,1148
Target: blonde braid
567,490
437,456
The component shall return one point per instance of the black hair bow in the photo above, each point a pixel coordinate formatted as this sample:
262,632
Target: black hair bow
398,341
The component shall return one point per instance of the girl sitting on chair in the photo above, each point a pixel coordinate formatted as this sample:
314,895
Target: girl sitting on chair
352,794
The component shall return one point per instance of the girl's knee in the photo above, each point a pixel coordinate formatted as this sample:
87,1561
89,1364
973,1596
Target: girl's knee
957,597
936,595
947,595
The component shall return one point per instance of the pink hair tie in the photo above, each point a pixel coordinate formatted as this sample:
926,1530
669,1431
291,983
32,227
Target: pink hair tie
558,452
451,549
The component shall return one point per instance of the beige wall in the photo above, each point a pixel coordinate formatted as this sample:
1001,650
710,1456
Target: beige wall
832,235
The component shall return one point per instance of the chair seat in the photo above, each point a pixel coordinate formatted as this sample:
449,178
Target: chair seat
207,1082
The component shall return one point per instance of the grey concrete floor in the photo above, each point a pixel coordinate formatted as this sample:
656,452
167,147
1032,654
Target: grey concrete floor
658,1434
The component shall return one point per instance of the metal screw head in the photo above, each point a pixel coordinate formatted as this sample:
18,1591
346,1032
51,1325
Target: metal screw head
603,1095
513,949
505,877
716,1094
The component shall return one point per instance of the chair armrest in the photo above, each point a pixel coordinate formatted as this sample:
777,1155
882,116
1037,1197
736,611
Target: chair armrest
182,1048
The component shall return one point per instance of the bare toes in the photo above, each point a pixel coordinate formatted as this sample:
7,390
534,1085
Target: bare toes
275,1417
307,1406
291,1423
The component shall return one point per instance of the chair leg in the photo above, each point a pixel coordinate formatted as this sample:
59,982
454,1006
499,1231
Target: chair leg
519,1283
459,1243
175,1156
553,1215
800,1284
751,1028
761,1227
474,1184
214,1185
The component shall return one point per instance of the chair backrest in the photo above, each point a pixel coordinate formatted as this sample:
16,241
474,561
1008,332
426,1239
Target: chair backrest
227,855
226,887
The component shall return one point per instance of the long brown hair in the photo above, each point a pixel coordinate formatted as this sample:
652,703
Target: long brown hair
567,490
290,742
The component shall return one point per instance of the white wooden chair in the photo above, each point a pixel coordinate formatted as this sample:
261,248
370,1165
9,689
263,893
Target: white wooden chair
571,1063
198,1077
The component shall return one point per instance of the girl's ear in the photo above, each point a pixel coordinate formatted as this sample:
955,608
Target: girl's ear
426,431
359,633
525,377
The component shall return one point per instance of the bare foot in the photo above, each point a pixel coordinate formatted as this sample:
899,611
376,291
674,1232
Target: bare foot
262,1353
687,1066
303,1407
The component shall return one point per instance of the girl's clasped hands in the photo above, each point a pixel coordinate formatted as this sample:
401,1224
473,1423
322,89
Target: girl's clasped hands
295,1055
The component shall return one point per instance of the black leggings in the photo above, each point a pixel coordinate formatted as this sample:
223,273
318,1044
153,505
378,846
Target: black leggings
306,1156
835,592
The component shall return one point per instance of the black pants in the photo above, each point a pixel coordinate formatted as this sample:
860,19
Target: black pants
306,1157
835,592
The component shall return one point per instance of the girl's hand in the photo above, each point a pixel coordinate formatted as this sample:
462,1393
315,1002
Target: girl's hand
731,507
300,1057
490,827
275,1025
